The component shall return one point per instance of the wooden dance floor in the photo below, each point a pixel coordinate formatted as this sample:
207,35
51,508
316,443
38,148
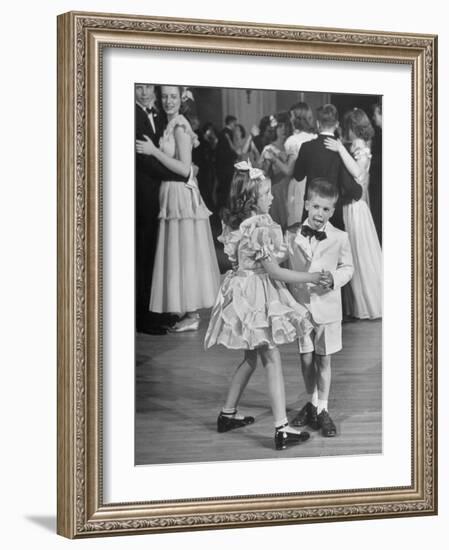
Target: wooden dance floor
180,389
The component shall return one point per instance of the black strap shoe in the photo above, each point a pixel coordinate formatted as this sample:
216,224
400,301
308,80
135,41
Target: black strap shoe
328,428
283,439
307,416
226,423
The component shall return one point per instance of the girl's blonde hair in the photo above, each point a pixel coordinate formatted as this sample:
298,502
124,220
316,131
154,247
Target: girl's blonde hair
243,196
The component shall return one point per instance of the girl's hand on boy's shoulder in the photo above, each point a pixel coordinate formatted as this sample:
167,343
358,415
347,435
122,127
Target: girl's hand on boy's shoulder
333,144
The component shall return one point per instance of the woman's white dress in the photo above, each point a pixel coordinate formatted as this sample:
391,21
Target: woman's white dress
186,275
296,189
365,300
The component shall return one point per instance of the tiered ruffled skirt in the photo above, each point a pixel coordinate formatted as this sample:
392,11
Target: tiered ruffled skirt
185,275
253,310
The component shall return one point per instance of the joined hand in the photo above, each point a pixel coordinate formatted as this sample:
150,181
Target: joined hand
326,280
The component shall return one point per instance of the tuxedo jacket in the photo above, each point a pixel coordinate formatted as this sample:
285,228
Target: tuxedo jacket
331,254
316,161
149,171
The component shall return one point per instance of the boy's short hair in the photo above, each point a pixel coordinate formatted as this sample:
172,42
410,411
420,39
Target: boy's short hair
229,119
323,188
327,115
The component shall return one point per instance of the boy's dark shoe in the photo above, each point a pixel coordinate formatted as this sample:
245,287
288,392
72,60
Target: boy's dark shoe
326,424
307,416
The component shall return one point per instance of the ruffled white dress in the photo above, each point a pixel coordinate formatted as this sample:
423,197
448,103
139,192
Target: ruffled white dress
253,310
185,275
365,300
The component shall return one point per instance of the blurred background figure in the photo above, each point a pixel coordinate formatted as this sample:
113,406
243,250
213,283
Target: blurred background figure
375,186
225,159
266,133
244,144
204,157
304,130
273,162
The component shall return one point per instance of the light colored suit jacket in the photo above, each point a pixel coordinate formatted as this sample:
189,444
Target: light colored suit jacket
331,254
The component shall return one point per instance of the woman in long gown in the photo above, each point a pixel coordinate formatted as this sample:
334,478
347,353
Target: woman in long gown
186,276
304,130
366,283
273,161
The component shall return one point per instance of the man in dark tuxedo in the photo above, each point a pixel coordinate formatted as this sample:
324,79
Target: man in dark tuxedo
149,174
315,161
225,159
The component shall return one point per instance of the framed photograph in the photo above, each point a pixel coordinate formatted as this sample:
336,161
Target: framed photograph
246,220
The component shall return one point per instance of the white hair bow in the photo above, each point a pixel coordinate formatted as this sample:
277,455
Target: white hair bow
246,166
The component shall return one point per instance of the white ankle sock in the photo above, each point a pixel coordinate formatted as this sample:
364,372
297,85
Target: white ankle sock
313,397
322,404
232,413
281,423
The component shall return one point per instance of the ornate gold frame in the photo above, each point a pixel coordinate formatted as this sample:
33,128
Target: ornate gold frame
81,37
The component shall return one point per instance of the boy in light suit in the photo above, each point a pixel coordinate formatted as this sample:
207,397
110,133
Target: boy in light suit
316,245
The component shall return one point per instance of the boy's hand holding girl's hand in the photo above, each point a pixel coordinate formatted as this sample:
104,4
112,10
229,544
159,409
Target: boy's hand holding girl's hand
326,280
323,279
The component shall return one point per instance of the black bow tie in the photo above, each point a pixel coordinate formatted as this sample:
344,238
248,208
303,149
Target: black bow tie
151,111
307,231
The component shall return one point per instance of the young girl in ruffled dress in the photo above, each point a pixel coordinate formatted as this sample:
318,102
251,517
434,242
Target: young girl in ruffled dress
254,311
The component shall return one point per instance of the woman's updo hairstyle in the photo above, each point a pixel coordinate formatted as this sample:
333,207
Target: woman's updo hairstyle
357,120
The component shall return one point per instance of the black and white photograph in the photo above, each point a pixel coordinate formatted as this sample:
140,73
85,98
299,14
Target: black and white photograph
258,274
222,255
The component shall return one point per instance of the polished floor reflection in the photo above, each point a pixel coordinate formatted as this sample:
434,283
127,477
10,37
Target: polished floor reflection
180,389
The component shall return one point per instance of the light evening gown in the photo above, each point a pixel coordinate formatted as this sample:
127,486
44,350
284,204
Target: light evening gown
186,275
365,300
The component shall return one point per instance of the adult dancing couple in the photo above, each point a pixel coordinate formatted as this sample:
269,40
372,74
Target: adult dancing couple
176,267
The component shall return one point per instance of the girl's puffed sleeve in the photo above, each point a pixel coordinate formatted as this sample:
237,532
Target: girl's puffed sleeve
230,240
262,244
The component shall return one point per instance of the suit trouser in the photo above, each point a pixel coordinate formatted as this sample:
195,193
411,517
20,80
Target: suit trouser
147,223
